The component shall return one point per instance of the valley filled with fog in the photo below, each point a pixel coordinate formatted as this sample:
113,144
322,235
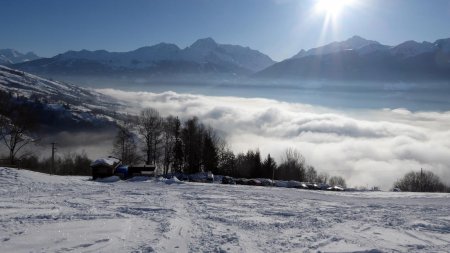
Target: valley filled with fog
368,146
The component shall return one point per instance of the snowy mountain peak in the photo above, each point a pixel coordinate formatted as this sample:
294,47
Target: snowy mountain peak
11,56
357,42
206,43
353,43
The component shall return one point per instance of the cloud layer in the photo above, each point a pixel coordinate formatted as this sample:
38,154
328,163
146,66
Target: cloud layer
368,147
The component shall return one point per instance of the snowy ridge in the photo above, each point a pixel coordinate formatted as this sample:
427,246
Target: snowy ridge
353,43
149,216
11,56
363,46
203,51
82,104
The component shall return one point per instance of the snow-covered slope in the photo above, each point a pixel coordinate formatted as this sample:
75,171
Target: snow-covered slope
73,101
43,213
11,56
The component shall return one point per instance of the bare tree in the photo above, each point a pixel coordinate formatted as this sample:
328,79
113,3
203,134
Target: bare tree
149,125
125,145
170,128
310,174
322,178
337,181
227,162
292,166
177,147
16,130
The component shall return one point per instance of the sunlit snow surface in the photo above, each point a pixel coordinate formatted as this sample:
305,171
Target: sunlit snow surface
43,213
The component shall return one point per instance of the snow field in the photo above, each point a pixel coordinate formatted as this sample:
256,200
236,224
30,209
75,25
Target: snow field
45,213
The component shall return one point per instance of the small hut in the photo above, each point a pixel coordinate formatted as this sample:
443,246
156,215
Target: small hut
104,167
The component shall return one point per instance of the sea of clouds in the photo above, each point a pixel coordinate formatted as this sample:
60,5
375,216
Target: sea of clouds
367,147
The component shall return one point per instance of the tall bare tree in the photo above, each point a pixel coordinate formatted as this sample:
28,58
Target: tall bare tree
125,146
178,147
170,129
16,130
292,166
149,126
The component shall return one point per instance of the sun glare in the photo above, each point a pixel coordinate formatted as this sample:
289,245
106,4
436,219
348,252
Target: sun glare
332,7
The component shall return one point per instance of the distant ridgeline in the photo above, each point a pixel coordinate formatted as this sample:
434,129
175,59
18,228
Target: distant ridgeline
352,59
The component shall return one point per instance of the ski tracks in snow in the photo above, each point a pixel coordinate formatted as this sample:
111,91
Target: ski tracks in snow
43,213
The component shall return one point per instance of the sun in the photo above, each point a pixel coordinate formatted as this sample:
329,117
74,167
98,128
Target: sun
332,8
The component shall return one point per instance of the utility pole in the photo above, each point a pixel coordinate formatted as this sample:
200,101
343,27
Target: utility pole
53,157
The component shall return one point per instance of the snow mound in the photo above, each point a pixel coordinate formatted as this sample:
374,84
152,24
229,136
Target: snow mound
173,180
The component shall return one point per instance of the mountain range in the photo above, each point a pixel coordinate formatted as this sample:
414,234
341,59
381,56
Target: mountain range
359,59
353,59
203,56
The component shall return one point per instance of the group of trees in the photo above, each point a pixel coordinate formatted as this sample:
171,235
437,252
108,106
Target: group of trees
293,166
191,147
175,146
66,164
421,181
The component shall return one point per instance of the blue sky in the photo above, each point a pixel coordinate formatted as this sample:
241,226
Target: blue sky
279,28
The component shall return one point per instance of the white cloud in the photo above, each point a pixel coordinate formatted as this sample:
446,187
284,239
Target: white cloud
368,147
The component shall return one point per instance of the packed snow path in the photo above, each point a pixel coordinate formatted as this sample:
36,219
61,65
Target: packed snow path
43,213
